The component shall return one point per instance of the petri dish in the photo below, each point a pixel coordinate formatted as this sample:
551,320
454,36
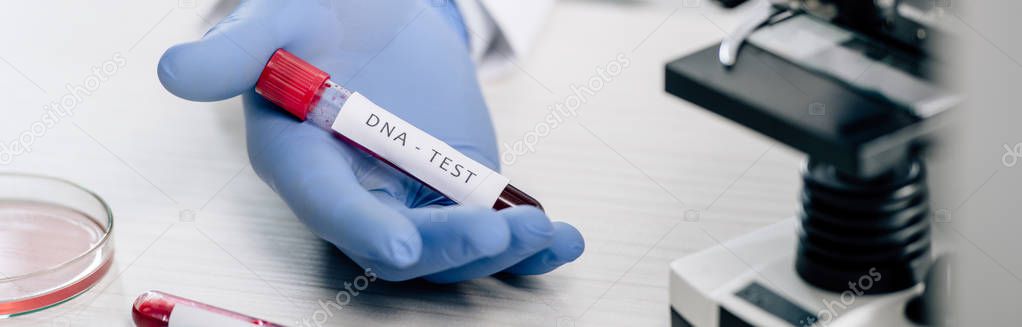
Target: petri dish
55,242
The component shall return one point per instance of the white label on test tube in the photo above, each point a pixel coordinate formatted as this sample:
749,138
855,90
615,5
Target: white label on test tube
189,316
419,154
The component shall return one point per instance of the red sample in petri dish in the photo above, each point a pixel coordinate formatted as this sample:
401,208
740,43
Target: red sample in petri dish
55,243
159,309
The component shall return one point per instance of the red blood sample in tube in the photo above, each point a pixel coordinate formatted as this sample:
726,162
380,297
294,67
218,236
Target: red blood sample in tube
307,93
159,309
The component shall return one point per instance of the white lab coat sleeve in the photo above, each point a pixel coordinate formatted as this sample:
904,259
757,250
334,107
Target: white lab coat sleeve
502,31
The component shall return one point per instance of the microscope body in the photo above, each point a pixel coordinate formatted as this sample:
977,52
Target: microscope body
847,83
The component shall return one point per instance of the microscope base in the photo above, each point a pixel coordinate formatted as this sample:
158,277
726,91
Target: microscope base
751,281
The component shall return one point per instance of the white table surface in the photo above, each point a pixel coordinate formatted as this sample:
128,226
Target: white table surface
624,171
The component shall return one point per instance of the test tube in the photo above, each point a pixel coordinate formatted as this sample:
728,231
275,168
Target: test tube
308,93
159,309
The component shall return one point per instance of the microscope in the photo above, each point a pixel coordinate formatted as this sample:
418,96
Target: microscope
855,85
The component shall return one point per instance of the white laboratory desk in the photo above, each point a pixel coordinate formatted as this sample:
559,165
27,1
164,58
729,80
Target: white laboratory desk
193,219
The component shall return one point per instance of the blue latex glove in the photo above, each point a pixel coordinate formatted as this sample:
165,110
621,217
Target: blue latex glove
406,57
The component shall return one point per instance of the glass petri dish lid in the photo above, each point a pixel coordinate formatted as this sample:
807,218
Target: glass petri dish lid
55,242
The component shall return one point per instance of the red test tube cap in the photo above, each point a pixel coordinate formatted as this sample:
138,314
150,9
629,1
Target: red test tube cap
291,83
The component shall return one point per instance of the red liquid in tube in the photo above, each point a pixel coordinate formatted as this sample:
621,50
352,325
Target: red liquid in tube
159,309
308,94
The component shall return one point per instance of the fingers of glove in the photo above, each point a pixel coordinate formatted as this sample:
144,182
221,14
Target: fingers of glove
531,232
451,237
312,173
229,58
567,246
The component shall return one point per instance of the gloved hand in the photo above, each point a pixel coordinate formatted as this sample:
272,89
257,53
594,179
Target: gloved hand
406,57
